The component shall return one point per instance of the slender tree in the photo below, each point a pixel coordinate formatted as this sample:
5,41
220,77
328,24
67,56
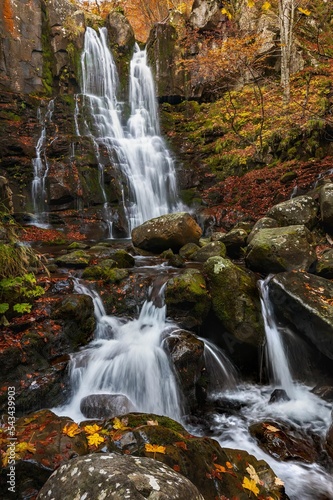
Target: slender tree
286,20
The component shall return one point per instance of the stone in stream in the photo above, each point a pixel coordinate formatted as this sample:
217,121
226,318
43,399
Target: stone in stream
168,231
105,405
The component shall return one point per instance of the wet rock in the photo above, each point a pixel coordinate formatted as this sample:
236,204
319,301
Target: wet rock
108,275
187,298
286,442
105,405
122,258
296,211
110,475
329,440
235,242
279,395
42,445
235,299
187,354
281,249
326,206
263,223
324,265
324,392
213,249
77,259
305,301
169,231
188,250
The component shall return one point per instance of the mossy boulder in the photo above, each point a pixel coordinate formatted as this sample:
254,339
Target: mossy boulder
188,250
326,206
324,266
234,241
77,259
211,249
187,298
235,299
105,274
281,249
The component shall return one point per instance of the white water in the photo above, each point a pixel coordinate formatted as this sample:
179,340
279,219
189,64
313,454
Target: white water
126,358
40,165
276,358
145,167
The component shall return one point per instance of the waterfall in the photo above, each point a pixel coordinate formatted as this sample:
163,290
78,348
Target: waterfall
222,373
126,357
135,148
276,357
40,164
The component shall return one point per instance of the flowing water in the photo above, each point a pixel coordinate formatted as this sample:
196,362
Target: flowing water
135,148
41,166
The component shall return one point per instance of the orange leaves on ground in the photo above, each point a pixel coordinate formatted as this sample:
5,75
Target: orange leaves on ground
181,444
176,468
71,430
271,428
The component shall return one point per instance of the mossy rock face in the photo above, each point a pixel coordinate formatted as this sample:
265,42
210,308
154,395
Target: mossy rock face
299,210
76,259
76,312
324,266
235,299
212,249
187,298
281,249
188,250
105,273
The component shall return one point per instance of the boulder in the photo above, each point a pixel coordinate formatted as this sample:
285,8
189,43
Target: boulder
120,31
205,15
296,211
329,441
168,231
187,354
110,475
235,299
105,405
187,298
263,223
305,301
234,241
77,259
285,442
324,266
326,206
274,250
213,249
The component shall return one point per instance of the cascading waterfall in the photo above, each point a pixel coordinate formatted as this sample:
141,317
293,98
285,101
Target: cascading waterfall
126,358
144,164
276,358
40,165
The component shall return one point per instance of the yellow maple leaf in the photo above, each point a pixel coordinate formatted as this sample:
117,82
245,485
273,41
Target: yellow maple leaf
71,429
154,448
92,429
250,484
306,12
95,439
120,424
250,3
266,6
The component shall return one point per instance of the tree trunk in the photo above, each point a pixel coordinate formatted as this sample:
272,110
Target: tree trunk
286,19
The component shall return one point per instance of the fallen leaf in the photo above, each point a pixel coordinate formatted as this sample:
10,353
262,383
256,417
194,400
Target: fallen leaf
250,484
229,465
220,468
120,424
271,428
181,444
71,430
154,448
253,474
278,482
92,429
95,439
152,422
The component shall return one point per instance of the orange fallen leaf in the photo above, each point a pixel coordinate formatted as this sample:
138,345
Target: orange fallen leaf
71,429
154,448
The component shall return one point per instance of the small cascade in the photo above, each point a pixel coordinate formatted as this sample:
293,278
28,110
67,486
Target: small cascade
41,166
126,357
222,373
276,358
144,166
